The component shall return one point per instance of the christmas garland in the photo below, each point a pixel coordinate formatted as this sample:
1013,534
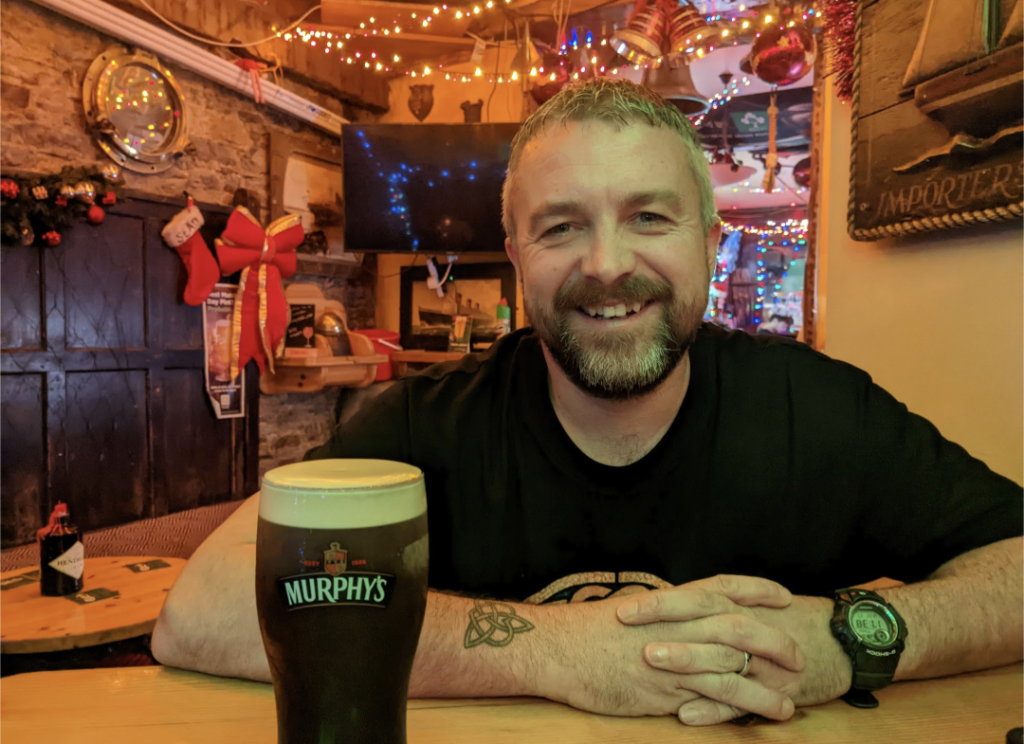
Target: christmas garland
840,38
34,210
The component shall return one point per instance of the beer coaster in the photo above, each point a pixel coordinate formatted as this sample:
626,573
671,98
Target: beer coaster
93,595
13,582
147,566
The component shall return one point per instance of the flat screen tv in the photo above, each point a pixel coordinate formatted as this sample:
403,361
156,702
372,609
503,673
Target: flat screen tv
424,188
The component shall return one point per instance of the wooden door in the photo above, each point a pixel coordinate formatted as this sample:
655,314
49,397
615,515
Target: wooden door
101,368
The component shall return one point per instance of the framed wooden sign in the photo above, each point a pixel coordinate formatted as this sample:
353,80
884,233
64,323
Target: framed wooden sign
938,104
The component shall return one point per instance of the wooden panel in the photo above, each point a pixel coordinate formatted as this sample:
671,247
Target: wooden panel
22,444
893,28
192,445
103,287
173,324
107,447
20,298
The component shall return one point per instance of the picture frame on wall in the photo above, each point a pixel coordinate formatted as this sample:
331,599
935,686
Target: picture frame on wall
937,109
474,290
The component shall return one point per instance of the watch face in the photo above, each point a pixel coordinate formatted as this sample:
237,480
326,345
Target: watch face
873,624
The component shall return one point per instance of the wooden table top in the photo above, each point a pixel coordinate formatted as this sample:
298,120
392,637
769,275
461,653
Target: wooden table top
135,590
159,705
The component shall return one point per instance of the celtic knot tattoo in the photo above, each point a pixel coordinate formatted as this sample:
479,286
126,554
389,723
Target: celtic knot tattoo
493,623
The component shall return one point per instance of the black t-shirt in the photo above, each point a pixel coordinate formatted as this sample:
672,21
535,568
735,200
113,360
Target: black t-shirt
780,463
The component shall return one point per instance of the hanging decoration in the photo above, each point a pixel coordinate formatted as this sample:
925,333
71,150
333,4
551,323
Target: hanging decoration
255,69
47,205
772,158
95,215
802,173
783,54
264,257
840,17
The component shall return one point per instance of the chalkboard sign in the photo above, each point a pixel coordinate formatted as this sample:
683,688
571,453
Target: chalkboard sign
298,341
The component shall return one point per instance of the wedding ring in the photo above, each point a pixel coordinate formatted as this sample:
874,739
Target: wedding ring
746,664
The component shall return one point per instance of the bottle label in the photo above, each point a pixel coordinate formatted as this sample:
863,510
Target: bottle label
71,561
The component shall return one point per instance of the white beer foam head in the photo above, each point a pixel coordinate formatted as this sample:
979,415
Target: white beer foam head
342,494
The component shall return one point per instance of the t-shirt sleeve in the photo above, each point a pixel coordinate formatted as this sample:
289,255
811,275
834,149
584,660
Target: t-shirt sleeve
925,499
379,430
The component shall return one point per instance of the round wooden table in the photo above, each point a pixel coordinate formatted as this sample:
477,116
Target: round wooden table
121,598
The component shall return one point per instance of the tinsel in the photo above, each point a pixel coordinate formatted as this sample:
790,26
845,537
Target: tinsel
26,214
840,37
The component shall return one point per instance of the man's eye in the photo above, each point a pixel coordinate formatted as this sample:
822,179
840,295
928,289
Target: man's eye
561,229
649,218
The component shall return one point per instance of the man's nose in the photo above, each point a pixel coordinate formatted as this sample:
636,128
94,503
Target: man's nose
608,258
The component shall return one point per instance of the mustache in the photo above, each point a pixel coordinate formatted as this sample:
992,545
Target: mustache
633,289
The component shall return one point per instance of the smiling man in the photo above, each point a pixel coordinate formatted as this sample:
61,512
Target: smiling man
602,533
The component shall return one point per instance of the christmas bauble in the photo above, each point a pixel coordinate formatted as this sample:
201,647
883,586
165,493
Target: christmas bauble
27,236
802,172
85,191
52,238
67,191
781,56
556,73
111,172
9,189
95,215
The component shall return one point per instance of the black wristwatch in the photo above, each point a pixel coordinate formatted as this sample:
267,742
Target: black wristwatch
873,635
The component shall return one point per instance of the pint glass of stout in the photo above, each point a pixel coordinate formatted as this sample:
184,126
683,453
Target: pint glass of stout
341,587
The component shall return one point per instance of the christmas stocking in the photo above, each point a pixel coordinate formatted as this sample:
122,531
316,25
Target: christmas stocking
182,234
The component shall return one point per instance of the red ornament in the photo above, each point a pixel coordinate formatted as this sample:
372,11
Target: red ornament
556,73
61,201
802,173
9,189
95,215
783,55
110,198
52,238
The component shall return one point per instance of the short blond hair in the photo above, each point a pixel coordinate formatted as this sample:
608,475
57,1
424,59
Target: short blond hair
619,103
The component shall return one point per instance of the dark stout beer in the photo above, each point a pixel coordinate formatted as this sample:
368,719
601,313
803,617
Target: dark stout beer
341,586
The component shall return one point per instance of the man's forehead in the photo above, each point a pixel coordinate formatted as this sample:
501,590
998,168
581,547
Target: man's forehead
567,161
599,137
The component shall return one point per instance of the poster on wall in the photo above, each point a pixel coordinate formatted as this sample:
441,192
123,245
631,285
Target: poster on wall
226,395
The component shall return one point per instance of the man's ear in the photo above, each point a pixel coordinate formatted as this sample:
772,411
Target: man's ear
513,256
712,241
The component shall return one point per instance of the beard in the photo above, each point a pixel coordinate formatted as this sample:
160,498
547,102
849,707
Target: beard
618,364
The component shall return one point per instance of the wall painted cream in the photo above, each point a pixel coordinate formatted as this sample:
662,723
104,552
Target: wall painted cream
937,320
506,106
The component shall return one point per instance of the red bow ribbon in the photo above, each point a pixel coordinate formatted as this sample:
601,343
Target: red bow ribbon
261,311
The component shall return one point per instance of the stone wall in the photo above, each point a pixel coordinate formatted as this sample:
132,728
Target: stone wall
43,128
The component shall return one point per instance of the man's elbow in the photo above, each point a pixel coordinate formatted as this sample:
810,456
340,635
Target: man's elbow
172,644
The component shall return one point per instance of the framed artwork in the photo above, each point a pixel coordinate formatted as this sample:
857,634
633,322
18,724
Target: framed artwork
306,179
473,290
937,116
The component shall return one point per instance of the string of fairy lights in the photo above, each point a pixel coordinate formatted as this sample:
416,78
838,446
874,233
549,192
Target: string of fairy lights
732,29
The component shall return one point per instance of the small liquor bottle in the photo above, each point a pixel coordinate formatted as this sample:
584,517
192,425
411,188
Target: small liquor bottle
61,555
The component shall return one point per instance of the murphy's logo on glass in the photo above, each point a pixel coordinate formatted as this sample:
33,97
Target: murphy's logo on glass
336,586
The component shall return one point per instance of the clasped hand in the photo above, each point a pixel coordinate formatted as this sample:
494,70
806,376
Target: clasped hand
724,617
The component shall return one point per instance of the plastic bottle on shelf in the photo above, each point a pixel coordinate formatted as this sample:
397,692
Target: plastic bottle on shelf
504,318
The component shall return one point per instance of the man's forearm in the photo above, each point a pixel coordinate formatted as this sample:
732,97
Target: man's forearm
482,648
968,615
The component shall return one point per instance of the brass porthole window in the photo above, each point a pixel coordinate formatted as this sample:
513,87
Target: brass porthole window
136,110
